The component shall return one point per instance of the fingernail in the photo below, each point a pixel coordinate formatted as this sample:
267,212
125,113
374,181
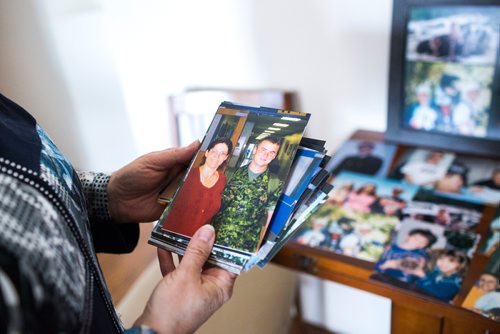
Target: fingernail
196,142
206,233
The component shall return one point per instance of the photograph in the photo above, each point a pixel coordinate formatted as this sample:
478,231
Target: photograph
367,194
471,179
463,240
450,217
422,167
235,180
450,175
346,232
491,241
462,34
358,217
304,168
427,258
449,98
484,296
362,156
444,86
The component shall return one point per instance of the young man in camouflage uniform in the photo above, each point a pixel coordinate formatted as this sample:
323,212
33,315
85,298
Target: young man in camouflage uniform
248,200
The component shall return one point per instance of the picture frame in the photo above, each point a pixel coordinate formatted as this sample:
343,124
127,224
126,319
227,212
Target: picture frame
432,52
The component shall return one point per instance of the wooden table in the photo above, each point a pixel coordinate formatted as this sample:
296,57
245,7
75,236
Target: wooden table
411,312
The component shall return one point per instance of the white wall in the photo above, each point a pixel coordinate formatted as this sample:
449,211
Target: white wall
56,64
103,68
333,53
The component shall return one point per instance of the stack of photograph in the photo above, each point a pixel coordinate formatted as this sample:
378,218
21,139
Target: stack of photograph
255,178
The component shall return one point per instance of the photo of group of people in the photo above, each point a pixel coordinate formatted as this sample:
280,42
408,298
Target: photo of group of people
451,55
359,216
416,221
234,181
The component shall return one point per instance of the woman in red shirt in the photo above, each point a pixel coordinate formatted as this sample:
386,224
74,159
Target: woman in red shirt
200,196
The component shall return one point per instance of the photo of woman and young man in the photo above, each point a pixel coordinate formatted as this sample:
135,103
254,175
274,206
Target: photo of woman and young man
235,180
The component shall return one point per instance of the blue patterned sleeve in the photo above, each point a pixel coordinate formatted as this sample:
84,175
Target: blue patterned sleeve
95,190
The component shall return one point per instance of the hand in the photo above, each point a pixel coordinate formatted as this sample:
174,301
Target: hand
390,264
189,294
133,190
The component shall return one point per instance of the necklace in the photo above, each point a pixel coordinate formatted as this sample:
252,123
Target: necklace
210,180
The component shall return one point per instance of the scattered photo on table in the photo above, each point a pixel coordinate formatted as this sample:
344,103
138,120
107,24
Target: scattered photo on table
367,194
492,238
448,175
450,217
462,240
363,157
422,167
484,296
472,179
346,232
427,258
359,216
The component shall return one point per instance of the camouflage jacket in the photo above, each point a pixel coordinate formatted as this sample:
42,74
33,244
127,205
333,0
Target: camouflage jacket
244,209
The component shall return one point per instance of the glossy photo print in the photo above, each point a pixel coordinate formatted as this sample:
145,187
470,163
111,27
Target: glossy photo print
234,181
484,296
444,76
427,258
358,217
363,157
451,55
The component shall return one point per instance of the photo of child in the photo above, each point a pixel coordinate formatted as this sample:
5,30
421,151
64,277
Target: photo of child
427,258
444,278
315,236
465,180
406,260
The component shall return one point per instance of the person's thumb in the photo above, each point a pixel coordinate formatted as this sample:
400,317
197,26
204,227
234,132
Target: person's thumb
198,250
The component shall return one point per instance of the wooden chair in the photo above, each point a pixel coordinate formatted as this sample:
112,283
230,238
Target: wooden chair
193,110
